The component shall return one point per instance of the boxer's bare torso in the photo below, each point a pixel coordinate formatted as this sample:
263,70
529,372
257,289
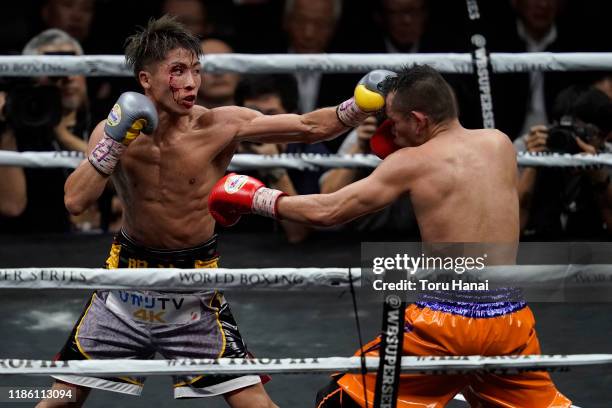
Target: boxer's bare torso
164,179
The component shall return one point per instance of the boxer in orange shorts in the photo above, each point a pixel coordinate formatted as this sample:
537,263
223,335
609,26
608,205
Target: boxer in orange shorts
463,188
436,327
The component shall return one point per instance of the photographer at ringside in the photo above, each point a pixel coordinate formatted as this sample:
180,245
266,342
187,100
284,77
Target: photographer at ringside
44,114
569,203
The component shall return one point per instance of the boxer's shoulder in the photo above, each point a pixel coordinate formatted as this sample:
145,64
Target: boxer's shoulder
492,134
487,139
233,114
201,116
499,142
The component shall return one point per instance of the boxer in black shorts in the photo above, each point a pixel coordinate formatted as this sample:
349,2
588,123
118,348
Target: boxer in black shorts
137,324
163,154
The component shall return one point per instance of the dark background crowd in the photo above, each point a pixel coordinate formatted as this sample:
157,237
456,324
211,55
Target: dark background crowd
565,112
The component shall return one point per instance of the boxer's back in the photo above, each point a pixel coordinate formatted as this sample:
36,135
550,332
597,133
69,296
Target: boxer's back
466,188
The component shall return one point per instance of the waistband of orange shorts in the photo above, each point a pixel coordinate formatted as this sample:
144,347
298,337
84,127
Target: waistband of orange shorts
477,304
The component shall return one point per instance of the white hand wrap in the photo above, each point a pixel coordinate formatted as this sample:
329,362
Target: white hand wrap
105,156
264,202
349,113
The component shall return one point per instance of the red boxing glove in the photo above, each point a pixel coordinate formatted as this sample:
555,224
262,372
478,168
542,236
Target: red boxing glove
235,195
381,143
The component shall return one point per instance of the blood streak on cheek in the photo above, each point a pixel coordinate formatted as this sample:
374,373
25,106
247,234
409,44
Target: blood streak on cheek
176,84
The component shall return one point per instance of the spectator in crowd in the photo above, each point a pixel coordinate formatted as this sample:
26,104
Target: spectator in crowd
603,82
410,27
273,95
192,13
310,26
63,124
524,100
560,203
402,24
217,89
73,127
72,16
13,196
397,218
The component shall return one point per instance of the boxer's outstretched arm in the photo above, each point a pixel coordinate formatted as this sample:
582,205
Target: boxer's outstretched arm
369,98
316,126
392,178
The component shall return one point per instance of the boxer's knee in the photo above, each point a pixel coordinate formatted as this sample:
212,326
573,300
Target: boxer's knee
254,396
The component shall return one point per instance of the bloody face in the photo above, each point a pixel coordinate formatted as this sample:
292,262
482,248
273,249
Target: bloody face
174,83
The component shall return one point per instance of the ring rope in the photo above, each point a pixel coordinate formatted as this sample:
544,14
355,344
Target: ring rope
114,65
431,365
303,161
563,276
174,278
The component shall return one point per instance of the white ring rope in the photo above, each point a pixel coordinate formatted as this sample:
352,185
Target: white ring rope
172,279
303,161
114,65
554,276
316,365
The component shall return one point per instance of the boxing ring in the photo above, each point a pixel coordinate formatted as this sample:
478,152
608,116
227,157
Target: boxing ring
277,279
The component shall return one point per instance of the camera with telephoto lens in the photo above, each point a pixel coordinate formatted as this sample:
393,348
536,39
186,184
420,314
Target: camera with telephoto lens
562,135
31,107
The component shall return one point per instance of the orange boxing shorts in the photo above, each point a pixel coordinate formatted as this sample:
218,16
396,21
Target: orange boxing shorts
436,326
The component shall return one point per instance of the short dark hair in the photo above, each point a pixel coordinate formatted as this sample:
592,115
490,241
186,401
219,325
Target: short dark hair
594,107
152,43
256,86
421,88
565,101
588,104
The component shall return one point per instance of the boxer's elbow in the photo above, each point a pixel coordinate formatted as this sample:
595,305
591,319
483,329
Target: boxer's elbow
314,134
315,131
74,204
